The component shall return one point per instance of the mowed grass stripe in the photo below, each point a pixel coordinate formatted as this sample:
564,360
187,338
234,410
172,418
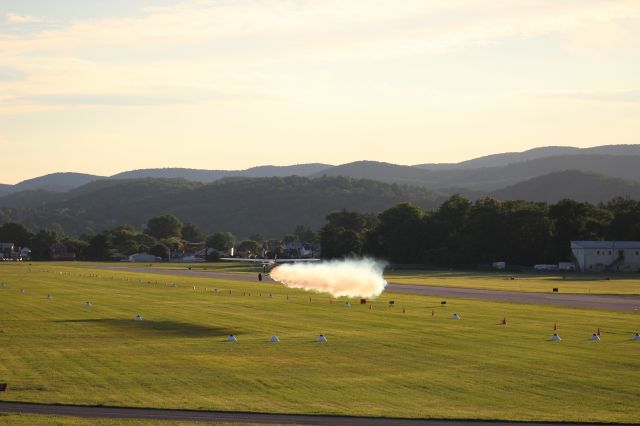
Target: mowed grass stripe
524,282
377,362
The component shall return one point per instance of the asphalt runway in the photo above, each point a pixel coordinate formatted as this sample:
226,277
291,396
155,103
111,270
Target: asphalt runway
239,417
592,301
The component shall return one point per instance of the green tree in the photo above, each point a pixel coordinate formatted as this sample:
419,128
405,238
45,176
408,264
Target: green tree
165,226
192,233
99,247
573,220
444,233
398,236
41,243
124,239
344,234
276,249
175,245
625,221
485,232
76,246
306,234
160,250
221,241
249,248
528,228
15,233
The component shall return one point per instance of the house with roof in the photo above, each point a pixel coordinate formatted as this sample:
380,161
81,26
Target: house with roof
600,256
6,250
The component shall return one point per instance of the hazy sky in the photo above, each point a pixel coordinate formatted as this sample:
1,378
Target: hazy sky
104,86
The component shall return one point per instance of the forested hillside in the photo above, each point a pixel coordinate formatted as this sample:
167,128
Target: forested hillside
573,184
271,206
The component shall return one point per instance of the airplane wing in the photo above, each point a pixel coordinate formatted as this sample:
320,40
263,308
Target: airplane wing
247,260
296,260
266,261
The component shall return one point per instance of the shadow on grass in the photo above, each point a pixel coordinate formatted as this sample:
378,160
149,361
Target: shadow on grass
174,328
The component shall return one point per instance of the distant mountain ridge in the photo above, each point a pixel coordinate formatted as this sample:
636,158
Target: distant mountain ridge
475,176
503,159
573,184
56,182
490,178
206,176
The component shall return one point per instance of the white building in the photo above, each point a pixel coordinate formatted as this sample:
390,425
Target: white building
615,256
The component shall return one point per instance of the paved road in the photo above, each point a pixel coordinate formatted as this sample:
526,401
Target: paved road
610,302
614,302
237,417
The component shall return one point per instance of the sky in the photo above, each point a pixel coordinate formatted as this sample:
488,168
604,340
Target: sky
101,87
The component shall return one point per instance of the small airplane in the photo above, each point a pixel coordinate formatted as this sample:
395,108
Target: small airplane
267,264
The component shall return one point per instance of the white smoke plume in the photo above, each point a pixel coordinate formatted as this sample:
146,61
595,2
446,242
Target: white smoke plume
350,278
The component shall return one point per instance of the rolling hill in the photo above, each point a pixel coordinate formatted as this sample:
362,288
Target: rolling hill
480,174
56,182
385,172
490,178
503,159
493,178
271,206
270,200
5,189
573,184
213,175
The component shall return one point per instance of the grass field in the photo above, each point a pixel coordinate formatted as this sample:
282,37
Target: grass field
538,283
378,362
11,419
226,267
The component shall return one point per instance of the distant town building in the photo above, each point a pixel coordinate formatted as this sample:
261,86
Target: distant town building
143,257
25,253
499,265
9,251
599,256
6,250
300,249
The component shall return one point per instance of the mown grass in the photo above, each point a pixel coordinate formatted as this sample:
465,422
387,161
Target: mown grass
537,283
225,267
378,362
12,419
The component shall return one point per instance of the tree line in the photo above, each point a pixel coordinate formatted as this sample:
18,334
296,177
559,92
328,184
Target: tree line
461,233
164,236
458,233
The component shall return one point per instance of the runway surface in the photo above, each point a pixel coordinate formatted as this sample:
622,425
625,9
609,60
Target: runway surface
609,302
239,417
